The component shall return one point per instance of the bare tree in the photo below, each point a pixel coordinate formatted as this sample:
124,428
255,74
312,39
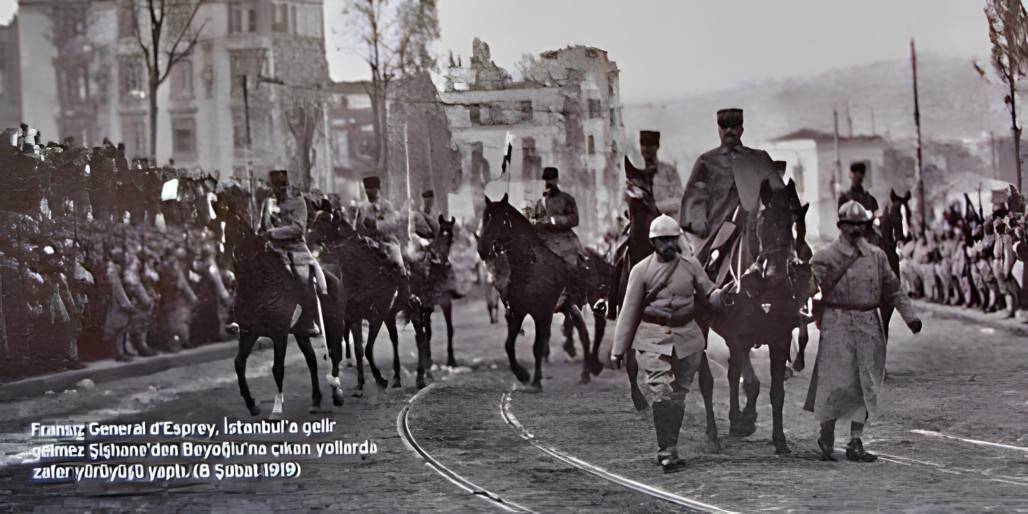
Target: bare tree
165,39
396,41
1008,31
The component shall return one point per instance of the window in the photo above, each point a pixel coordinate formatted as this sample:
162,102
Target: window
183,136
526,110
126,25
496,116
613,118
591,145
475,112
235,18
182,80
531,162
594,108
280,22
251,20
131,78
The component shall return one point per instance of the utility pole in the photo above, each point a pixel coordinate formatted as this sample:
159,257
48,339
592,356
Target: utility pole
918,172
249,149
837,172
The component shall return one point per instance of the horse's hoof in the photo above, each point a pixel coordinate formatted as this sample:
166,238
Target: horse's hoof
714,443
358,393
420,383
798,365
569,348
452,363
586,377
337,397
381,383
396,382
596,367
254,410
782,447
741,430
522,375
532,388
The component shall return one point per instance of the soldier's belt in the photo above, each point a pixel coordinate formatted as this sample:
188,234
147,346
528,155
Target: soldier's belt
849,307
672,321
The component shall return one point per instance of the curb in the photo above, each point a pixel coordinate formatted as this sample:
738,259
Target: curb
108,370
1010,326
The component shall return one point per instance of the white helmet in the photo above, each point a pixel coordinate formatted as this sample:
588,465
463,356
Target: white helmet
664,226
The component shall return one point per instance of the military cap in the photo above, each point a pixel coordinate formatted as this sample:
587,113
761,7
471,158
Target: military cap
549,173
731,117
649,137
278,178
853,212
428,194
372,182
858,167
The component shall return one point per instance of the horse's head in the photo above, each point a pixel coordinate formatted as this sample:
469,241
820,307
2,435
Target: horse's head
897,216
500,221
781,231
443,240
639,188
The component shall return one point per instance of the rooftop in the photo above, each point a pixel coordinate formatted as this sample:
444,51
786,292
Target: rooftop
817,135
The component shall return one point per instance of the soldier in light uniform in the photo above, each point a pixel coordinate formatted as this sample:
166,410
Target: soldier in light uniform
855,281
667,184
377,220
657,321
284,220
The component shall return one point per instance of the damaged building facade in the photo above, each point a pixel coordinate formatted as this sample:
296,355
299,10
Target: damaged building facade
565,112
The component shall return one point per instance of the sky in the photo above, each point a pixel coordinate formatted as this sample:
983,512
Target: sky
672,48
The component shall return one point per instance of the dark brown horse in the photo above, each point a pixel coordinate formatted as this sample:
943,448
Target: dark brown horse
596,286
266,298
429,283
376,292
773,291
537,278
893,225
642,209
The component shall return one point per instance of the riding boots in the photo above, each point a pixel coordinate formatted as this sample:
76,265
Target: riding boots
667,420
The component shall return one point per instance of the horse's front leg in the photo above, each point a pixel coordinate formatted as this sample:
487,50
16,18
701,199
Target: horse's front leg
514,322
707,390
246,342
542,342
358,350
335,355
599,328
278,371
779,351
369,353
802,338
311,357
394,338
447,307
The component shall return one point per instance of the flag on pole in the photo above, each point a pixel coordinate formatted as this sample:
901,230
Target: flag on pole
508,149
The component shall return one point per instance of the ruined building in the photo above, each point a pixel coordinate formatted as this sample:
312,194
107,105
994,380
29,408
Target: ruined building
565,112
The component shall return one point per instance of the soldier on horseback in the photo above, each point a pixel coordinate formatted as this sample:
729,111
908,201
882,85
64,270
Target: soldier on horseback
722,197
376,219
667,185
556,214
284,221
658,320
424,225
858,171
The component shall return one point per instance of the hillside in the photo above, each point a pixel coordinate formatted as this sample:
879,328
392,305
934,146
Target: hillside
956,103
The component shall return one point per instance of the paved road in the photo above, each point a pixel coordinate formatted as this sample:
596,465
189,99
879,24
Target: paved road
953,380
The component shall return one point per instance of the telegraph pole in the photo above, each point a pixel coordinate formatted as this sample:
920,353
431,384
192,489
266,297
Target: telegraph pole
919,171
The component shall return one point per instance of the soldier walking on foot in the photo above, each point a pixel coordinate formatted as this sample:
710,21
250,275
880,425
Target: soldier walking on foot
855,281
660,306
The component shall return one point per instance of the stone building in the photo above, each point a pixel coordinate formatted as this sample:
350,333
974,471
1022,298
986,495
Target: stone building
89,81
566,112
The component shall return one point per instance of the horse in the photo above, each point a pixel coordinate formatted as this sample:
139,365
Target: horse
377,292
894,227
266,299
772,292
538,276
596,287
429,283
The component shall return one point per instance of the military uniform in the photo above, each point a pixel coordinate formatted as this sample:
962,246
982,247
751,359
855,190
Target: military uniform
721,199
657,320
379,221
556,215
